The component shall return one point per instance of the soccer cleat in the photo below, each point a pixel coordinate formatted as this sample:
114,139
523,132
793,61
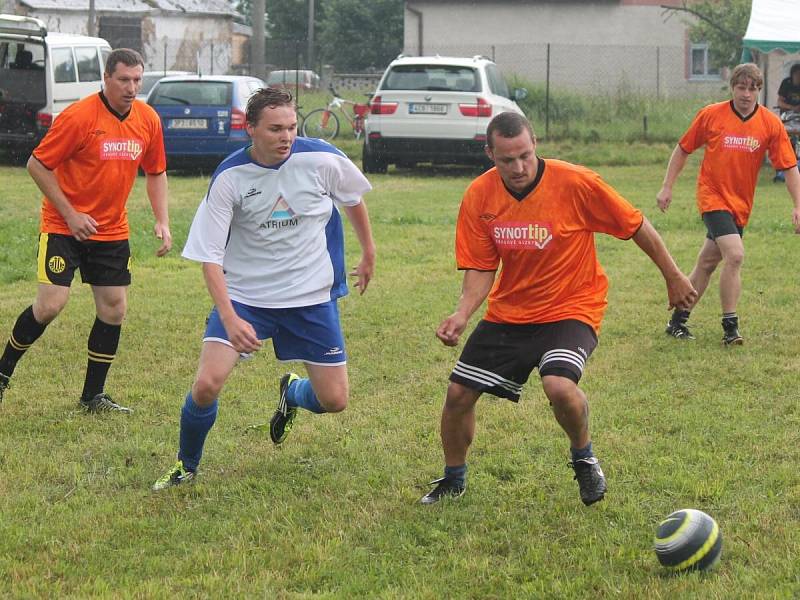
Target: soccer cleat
175,476
103,403
4,384
590,478
679,331
445,488
281,423
732,337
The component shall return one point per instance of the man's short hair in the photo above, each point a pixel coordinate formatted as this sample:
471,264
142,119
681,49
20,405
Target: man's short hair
267,98
743,72
126,56
795,68
507,125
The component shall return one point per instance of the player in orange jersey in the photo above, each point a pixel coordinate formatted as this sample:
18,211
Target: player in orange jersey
537,219
736,135
86,166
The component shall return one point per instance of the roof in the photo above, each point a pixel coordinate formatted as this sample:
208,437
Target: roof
461,61
774,25
188,7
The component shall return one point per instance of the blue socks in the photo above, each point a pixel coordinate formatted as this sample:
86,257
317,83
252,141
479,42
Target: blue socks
457,475
300,393
196,422
579,453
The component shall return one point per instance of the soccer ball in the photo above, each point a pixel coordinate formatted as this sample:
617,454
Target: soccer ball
688,540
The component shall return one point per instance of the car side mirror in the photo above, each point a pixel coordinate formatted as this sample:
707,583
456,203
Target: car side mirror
519,94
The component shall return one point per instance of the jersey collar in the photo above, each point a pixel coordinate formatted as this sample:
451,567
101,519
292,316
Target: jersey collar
520,196
742,117
111,110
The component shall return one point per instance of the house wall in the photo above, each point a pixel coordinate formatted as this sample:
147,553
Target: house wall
172,42
594,46
186,44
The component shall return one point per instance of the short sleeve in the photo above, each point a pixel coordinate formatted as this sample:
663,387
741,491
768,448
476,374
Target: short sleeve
345,182
697,134
606,211
780,150
208,234
475,248
64,138
154,160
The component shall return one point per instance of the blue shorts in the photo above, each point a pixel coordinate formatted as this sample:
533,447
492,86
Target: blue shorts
308,333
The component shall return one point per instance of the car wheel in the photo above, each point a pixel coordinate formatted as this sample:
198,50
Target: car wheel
370,163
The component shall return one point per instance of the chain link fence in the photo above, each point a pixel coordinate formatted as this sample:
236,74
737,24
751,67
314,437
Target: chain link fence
569,85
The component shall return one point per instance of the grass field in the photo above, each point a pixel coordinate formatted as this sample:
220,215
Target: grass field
332,513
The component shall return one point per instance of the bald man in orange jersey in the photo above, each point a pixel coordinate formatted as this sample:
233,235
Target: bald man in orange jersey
537,218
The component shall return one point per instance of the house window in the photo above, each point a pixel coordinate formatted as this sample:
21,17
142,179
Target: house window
700,67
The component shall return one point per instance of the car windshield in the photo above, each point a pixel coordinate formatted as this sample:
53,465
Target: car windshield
432,78
194,93
148,81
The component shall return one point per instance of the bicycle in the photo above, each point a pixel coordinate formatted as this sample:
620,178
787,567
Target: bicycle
323,122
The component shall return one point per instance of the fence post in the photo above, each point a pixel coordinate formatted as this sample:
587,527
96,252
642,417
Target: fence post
211,59
493,60
658,72
547,96
166,45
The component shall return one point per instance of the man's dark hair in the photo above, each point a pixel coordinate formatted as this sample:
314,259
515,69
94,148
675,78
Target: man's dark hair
267,98
507,125
795,68
126,56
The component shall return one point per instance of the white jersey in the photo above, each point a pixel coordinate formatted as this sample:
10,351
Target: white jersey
275,230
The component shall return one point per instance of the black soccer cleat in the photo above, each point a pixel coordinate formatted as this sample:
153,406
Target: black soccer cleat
731,335
445,488
4,384
103,403
590,478
281,423
679,331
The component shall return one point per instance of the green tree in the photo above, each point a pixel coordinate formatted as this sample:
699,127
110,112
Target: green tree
722,25
356,35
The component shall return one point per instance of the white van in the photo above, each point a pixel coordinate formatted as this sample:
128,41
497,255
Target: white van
41,73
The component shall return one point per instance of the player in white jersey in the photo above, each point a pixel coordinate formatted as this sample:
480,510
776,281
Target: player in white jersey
270,239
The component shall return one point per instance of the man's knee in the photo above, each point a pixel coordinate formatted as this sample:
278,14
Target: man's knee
561,391
45,309
734,258
460,398
334,400
206,388
113,311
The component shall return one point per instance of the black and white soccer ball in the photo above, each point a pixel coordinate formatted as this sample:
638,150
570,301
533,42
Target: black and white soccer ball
688,540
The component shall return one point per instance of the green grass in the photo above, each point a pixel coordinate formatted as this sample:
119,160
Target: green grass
332,513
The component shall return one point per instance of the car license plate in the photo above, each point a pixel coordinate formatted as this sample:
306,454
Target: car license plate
427,109
188,124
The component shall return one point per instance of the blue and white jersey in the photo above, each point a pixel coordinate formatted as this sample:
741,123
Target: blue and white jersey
275,230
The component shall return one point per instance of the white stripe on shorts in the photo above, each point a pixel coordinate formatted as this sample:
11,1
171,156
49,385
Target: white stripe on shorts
485,377
563,355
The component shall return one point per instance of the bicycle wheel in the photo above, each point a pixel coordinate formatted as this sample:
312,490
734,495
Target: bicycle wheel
321,123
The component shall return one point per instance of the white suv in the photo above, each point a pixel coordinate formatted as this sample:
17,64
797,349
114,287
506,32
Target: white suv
434,108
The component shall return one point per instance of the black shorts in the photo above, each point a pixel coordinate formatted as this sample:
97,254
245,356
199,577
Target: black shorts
719,223
499,357
100,263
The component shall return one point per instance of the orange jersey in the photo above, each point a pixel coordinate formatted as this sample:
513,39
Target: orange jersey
96,154
734,152
545,243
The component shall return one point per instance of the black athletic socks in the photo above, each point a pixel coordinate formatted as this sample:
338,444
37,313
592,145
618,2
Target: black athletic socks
26,331
102,346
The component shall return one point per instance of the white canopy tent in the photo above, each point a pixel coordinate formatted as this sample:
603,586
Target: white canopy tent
772,41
